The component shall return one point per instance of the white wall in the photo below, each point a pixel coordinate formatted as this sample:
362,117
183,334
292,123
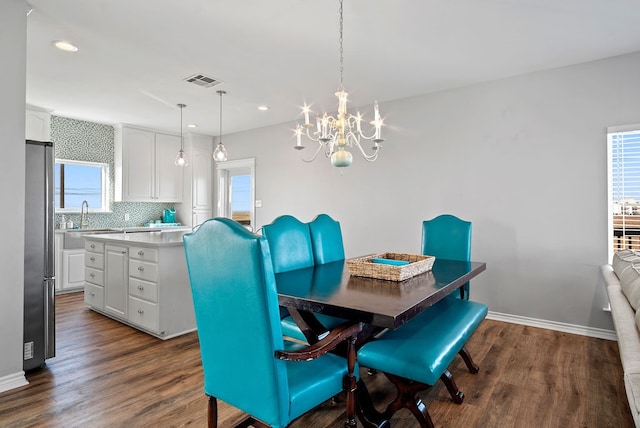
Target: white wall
523,158
13,30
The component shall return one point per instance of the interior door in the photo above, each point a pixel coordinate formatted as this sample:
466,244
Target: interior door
236,191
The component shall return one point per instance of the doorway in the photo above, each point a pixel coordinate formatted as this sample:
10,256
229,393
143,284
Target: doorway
236,191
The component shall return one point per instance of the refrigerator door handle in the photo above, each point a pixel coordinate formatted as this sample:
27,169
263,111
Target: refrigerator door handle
50,317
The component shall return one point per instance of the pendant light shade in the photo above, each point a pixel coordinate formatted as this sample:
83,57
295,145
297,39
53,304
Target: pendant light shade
181,158
220,153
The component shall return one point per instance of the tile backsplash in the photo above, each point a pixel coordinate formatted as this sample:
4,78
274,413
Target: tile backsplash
87,141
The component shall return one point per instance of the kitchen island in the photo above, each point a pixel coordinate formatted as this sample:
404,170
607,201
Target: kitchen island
140,279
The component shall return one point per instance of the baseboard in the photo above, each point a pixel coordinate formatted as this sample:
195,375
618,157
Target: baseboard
557,326
12,381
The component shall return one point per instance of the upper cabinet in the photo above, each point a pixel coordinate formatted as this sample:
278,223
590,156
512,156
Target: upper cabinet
198,199
144,163
37,124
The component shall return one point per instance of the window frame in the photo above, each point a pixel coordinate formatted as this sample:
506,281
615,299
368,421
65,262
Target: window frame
613,167
105,208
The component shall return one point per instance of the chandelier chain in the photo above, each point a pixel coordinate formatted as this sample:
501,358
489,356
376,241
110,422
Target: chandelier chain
341,49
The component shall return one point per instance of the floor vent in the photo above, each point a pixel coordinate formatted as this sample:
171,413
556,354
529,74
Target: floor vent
202,80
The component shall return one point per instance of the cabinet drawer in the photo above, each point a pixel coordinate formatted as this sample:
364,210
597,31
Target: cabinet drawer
143,270
94,260
143,289
94,276
93,246
144,253
94,296
144,314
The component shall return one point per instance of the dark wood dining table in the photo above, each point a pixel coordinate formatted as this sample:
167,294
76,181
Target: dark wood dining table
330,289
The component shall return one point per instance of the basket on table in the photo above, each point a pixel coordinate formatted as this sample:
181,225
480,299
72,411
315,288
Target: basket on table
390,266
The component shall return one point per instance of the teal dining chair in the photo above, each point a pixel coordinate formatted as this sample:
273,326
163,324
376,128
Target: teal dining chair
296,245
246,361
326,239
448,237
290,243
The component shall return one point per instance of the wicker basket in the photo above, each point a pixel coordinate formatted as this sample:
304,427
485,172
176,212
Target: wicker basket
363,266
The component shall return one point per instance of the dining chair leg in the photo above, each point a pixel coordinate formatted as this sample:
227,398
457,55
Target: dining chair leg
473,367
212,412
456,395
407,398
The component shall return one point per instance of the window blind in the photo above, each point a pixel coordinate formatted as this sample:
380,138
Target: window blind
624,178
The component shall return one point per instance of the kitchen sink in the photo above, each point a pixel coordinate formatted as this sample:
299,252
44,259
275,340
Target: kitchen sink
74,238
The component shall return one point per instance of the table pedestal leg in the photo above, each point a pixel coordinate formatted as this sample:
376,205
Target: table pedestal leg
368,415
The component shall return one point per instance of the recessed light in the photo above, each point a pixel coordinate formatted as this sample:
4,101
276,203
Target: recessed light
192,125
63,45
263,108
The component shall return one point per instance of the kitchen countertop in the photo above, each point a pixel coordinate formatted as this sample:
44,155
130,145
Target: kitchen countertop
150,238
131,229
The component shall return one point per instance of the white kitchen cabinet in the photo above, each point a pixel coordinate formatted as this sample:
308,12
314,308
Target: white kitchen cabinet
72,265
94,274
198,199
145,170
37,124
146,284
116,274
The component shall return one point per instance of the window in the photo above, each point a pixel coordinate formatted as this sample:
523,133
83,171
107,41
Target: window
624,188
77,181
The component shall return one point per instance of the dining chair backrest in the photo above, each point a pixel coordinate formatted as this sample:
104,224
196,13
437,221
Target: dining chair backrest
447,237
326,239
290,243
236,309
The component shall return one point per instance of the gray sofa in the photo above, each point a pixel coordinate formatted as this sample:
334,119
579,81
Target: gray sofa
622,278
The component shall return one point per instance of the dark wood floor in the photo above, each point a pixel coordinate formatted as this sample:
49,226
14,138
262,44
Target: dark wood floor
106,374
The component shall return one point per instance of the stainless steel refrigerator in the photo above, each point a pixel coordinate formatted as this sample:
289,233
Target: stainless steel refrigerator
39,280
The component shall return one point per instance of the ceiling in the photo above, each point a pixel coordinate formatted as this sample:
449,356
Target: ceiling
134,55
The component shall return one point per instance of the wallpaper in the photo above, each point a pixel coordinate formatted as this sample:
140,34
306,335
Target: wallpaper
87,141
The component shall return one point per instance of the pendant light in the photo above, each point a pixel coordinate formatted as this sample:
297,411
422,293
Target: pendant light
181,158
220,153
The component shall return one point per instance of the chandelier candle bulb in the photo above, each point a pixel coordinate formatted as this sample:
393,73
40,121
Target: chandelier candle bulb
305,109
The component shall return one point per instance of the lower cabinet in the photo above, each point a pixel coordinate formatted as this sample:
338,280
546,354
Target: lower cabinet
94,274
72,268
145,287
115,280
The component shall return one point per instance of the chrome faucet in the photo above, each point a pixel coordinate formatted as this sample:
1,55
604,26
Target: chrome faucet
83,215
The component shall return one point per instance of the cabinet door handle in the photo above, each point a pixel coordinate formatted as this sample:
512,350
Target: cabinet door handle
93,259
140,311
92,275
141,253
93,246
140,288
93,293
141,268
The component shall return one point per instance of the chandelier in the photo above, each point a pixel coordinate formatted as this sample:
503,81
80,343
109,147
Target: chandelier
335,134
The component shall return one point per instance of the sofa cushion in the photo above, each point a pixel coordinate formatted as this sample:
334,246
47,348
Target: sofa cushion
630,283
623,259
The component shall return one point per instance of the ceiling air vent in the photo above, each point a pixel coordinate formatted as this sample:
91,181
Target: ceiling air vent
202,80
